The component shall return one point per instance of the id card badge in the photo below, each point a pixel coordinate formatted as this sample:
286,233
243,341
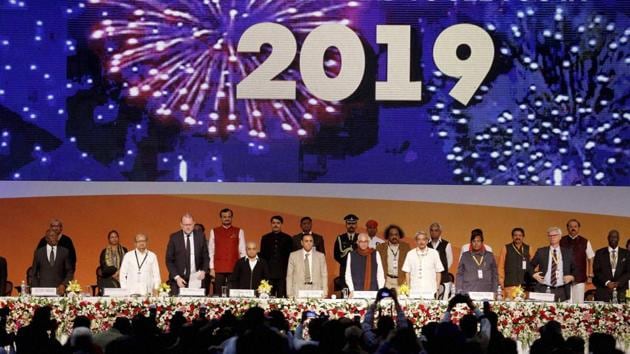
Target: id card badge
524,265
479,274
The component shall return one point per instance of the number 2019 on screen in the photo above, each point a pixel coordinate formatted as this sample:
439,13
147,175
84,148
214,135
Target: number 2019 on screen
260,83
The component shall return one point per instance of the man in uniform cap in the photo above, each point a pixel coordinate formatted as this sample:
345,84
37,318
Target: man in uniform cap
344,244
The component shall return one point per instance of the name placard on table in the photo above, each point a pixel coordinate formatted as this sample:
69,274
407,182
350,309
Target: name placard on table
116,292
242,293
44,291
481,295
310,294
364,295
192,292
424,295
547,297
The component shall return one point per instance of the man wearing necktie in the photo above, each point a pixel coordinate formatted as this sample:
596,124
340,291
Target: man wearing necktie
52,267
611,268
307,269
554,267
187,257
344,244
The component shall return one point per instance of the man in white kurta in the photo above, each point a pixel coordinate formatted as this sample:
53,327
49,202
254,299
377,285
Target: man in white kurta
140,270
423,266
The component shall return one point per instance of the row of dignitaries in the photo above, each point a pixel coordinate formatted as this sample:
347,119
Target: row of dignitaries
366,262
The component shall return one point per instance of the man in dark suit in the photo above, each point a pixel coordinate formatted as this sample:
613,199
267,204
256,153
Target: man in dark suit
3,275
275,248
307,226
611,268
51,265
249,271
64,241
554,267
187,257
344,244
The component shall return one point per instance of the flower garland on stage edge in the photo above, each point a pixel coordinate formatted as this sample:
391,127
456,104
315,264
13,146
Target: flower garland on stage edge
517,320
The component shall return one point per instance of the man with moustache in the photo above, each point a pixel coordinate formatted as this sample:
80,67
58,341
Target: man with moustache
582,257
554,267
445,250
226,245
275,248
371,226
393,252
611,268
514,263
306,224
344,244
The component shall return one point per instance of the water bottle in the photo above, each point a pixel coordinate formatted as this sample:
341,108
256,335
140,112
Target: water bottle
614,296
548,291
23,288
499,293
453,289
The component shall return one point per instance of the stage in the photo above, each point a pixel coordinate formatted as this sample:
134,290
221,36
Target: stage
517,320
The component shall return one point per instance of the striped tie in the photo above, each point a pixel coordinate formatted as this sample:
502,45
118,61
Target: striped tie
554,269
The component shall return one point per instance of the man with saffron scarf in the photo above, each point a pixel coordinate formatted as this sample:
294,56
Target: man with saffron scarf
423,266
364,270
477,270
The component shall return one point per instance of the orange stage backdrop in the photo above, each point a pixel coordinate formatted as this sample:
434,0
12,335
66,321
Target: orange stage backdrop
87,219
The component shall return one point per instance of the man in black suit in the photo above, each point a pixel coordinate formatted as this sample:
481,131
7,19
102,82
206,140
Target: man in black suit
64,241
3,276
611,268
554,267
306,224
249,271
51,265
275,248
187,257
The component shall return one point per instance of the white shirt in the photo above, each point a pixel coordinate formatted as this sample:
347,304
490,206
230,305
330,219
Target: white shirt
241,245
193,268
560,272
422,267
139,274
448,250
374,241
380,275
610,251
54,249
466,247
252,263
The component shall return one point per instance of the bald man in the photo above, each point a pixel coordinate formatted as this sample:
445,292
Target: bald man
249,270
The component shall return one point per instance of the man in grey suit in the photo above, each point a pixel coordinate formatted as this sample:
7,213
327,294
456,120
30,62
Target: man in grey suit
554,267
307,269
52,266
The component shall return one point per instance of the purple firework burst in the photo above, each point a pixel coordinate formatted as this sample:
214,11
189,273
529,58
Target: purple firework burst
180,59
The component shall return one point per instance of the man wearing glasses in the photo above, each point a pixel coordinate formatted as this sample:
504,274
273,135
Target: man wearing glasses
553,267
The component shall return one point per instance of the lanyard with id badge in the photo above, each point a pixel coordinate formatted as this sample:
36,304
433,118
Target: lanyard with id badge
479,263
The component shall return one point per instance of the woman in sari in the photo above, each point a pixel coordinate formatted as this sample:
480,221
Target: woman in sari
110,260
